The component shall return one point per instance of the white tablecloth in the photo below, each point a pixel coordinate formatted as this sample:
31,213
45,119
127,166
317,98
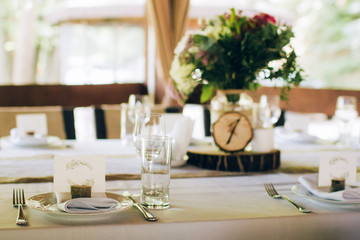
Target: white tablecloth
121,158
201,208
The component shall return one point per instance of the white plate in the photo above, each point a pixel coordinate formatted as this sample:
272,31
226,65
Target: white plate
32,141
46,202
300,190
286,135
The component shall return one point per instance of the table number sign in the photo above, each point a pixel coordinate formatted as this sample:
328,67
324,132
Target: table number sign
79,170
31,123
337,165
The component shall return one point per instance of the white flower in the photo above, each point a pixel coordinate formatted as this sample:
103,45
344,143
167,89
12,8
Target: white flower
216,29
181,74
182,43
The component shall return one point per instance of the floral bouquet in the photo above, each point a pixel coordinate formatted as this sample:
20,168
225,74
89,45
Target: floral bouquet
234,51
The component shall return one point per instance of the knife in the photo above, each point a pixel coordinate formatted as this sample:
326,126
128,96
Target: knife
147,215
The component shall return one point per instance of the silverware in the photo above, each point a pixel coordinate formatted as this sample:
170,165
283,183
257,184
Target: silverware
147,215
269,187
19,202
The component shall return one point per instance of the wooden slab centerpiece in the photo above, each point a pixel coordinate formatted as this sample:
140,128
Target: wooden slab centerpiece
232,132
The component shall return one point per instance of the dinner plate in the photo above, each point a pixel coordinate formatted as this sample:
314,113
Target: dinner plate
47,202
300,137
32,141
301,191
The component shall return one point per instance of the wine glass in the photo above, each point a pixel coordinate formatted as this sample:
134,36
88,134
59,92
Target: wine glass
346,112
147,125
269,110
137,103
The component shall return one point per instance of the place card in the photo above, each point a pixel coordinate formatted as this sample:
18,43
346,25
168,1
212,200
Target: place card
79,170
337,165
31,123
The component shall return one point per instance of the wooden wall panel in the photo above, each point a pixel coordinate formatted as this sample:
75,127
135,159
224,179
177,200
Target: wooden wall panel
300,99
68,96
311,100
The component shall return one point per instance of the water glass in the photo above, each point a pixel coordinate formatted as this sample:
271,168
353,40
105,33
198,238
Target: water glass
346,112
155,171
269,109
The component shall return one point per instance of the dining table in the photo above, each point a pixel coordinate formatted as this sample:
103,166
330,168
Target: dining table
204,203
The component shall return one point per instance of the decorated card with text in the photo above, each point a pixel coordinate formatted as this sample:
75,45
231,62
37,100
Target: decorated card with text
31,123
337,165
79,170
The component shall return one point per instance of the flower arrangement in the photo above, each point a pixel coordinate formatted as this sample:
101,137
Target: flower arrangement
234,51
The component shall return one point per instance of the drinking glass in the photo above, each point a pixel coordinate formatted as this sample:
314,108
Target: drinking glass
147,125
155,171
269,110
138,103
346,112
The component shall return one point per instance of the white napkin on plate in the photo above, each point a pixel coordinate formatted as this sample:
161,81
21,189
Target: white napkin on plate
310,182
88,205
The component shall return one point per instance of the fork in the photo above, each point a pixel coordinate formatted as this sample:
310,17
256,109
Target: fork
269,187
19,202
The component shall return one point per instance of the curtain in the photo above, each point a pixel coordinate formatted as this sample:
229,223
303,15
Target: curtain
25,46
169,19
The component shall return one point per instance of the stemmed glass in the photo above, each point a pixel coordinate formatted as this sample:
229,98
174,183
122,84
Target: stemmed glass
147,125
346,112
137,104
269,110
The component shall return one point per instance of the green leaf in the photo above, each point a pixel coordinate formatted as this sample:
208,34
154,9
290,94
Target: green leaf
206,94
205,42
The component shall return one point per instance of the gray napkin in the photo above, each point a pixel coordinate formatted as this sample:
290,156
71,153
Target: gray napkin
310,182
88,205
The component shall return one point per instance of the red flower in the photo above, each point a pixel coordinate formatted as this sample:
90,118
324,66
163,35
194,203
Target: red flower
263,19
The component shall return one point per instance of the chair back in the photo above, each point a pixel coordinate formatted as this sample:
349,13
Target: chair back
54,118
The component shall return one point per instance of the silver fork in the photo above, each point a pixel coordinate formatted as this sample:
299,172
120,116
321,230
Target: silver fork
19,202
269,187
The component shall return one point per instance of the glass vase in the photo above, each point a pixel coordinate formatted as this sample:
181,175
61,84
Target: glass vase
235,100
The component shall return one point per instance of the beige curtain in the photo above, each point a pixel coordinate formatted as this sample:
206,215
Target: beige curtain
169,19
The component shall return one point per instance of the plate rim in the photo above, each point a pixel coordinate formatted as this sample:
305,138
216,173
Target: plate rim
49,142
313,197
61,213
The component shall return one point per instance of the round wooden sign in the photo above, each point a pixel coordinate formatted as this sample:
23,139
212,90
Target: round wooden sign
232,132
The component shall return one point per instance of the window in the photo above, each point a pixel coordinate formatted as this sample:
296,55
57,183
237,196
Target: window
102,53
101,42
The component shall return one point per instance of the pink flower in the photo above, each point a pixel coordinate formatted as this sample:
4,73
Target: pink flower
226,15
263,19
204,57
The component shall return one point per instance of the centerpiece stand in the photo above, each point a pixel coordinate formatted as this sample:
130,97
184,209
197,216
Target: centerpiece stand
232,133
211,157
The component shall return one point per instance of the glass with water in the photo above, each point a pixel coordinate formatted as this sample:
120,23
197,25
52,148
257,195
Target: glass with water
155,171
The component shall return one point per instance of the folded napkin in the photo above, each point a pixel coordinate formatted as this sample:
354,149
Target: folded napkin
299,122
310,182
88,205
181,134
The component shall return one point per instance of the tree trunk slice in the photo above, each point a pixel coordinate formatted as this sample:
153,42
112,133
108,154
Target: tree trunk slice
232,132
210,157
